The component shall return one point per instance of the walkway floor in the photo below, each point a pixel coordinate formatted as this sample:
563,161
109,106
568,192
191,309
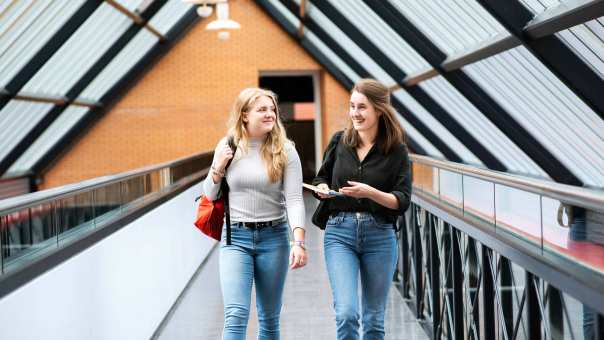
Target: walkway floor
307,307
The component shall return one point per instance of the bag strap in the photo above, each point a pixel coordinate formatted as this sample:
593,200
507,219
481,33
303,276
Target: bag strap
330,154
224,187
231,143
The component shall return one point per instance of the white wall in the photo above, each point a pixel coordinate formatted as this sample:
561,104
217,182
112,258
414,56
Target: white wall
121,288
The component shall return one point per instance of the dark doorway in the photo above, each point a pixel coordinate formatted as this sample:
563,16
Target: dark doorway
297,107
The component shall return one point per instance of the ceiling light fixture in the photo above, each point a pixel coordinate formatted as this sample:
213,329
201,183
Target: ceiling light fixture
222,22
204,11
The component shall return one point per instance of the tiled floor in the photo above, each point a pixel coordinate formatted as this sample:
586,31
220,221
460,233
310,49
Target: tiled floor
307,313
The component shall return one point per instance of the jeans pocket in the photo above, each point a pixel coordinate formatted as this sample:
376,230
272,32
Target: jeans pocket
383,224
333,221
224,232
280,228
330,221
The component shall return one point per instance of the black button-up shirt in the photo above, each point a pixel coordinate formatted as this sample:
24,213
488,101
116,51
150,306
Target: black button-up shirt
388,173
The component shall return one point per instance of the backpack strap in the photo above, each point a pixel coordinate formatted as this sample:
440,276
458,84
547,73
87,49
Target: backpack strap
224,187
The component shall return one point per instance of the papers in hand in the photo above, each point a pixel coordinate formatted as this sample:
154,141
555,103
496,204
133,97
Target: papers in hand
319,190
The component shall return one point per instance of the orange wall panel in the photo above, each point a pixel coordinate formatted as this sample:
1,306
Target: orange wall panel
180,106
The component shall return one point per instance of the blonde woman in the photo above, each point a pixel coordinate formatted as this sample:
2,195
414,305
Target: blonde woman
265,181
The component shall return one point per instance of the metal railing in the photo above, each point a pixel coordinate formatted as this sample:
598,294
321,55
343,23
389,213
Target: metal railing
588,198
35,225
487,255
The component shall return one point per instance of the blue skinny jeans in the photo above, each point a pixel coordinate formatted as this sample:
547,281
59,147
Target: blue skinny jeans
358,244
260,257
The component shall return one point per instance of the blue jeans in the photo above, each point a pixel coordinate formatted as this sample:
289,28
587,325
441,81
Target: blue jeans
358,243
260,257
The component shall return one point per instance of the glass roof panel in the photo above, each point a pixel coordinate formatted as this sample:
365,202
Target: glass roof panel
412,133
422,114
169,15
454,26
339,63
127,58
539,6
383,36
49,138
482,129
344,68
550,111
285,12
133,5
25,27
377,72
587,41
347,44
79,53
17,119
409,129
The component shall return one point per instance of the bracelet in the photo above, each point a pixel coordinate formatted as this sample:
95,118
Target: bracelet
218,173
300,244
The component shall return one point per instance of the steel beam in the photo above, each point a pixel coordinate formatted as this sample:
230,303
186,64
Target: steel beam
121,86
74,91
316,53
51,46
457,130
575,73
564,16
475,94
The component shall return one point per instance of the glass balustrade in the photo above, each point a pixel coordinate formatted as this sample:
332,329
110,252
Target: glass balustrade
37,224
518,210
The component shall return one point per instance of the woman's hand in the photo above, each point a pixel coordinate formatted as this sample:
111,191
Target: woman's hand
358,190
297,257
323,187
362,190
224,155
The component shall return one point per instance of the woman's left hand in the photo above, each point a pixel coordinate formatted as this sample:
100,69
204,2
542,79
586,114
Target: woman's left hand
297,257
357,190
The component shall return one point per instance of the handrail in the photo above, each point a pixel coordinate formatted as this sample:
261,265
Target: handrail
20,202
578,196
14,176
41,230
459,212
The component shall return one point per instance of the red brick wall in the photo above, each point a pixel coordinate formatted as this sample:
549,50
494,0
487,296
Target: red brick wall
180,107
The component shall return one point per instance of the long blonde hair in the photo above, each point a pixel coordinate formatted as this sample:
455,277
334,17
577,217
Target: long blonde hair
273,149
390,132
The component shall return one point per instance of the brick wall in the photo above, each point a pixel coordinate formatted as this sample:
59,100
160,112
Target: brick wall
180,107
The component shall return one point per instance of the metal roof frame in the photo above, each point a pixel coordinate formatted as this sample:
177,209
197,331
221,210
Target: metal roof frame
340,76
396,73
44,54
475,94
119,88
537,36
568,14
81,84
417,92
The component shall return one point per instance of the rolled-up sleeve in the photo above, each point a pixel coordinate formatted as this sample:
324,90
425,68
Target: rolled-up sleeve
402,187
292,189
210,189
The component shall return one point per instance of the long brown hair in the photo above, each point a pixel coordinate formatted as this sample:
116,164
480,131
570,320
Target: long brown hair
390,132
273,149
